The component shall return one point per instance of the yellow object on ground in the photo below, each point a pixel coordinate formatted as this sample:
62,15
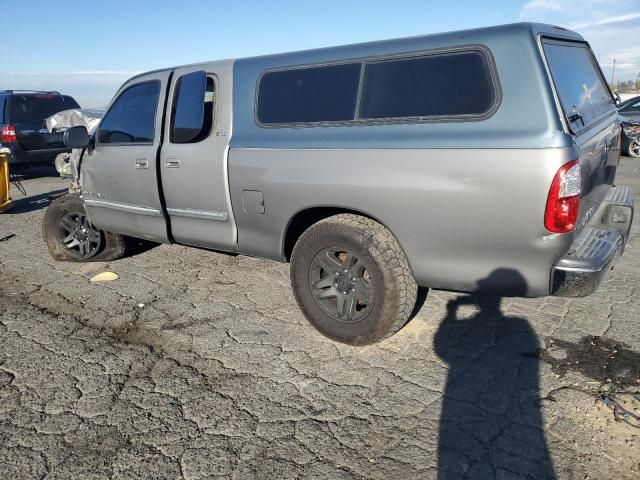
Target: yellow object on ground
5,197
104,277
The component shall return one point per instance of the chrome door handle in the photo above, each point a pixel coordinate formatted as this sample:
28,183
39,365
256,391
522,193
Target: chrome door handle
142,163
173,163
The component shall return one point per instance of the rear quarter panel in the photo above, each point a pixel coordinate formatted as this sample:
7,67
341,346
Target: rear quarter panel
458,214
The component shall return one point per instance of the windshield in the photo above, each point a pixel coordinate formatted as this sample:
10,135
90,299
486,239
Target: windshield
581,89
35,108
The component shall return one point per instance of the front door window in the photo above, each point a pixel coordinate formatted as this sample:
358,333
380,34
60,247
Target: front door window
131,119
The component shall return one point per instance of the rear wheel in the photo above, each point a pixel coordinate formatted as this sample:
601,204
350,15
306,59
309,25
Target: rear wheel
70,236
634,148
351,280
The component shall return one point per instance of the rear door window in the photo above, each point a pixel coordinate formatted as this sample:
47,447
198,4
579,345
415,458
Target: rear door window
35,108
579,83
193,107
132,118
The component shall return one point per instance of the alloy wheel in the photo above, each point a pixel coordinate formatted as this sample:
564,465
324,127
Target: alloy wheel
341,284
78,236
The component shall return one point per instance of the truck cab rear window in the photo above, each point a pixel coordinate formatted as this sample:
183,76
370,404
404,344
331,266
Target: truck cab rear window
455,84
579,84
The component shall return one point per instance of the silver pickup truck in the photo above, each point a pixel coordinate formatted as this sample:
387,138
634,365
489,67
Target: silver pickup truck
438,161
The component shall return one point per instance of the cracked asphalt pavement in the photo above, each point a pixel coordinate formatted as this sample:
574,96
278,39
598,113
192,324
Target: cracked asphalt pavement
195,364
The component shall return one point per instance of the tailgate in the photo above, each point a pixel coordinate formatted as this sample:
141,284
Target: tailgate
591,116
35,136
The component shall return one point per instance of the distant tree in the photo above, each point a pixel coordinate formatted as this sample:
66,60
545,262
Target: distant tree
625,85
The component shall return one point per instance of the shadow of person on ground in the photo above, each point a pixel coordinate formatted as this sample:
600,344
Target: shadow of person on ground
491,423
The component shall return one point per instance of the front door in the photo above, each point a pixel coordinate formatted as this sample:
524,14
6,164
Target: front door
119,176
193,161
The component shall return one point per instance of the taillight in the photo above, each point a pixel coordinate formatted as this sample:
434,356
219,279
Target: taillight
8,134
563,203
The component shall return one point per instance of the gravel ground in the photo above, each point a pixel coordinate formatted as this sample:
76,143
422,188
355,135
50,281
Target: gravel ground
195,364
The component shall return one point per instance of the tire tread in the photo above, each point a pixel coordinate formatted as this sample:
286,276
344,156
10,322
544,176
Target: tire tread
383,242
114,245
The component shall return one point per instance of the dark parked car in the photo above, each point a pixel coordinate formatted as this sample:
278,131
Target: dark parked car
629,101
630,112
22,126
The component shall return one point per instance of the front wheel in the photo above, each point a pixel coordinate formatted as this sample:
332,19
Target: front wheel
352,280
634,148
70,236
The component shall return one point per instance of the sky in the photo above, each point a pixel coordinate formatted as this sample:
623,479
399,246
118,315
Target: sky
88,48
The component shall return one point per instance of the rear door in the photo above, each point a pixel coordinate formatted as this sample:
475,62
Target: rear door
194,157
119,176
591,116
27,113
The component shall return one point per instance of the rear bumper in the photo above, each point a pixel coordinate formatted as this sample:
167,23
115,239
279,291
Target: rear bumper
597,248
31,157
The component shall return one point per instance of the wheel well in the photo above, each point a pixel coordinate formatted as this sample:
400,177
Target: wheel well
305,218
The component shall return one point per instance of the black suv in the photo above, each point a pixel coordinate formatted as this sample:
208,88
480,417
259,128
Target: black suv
22,125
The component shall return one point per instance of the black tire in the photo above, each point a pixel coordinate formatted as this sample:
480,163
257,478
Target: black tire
388,288
110,246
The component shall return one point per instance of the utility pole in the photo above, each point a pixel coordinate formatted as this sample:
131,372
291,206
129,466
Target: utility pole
613,74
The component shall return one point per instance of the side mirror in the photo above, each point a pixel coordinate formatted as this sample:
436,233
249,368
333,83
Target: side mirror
76,137
618,99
